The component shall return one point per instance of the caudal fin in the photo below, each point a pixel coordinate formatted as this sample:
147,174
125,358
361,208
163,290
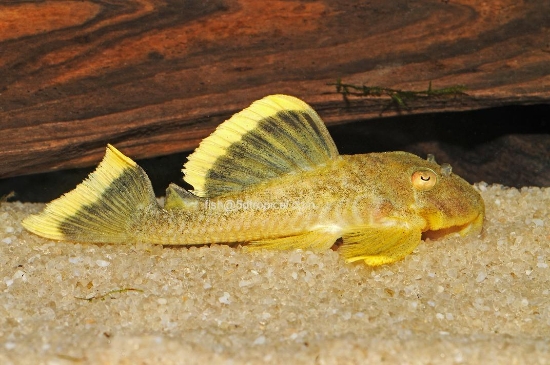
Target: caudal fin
102,208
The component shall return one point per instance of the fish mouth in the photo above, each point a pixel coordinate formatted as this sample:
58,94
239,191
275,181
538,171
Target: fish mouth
473,226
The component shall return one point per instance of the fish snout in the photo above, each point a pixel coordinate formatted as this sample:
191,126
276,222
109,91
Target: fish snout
462,212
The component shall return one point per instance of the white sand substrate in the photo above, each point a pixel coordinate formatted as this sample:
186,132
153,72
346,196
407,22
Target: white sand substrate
455,300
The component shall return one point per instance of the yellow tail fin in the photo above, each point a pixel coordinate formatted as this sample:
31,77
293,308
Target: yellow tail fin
102,208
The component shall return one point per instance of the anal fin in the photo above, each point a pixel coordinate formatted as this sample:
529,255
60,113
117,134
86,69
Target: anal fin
317,240
379,245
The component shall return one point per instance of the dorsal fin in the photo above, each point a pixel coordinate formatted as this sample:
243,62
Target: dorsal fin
274,136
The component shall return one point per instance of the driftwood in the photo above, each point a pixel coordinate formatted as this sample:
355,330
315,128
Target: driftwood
155,77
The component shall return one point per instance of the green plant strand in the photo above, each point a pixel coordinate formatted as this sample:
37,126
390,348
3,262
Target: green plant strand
397,97
5,198
109,293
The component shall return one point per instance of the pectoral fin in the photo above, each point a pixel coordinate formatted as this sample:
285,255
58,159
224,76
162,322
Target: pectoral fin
379,245
318,240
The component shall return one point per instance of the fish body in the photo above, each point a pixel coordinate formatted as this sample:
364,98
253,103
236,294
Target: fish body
271,177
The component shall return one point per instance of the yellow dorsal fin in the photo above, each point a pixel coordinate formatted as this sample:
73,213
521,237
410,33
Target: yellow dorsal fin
274,136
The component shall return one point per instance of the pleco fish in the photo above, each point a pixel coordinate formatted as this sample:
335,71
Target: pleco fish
271,177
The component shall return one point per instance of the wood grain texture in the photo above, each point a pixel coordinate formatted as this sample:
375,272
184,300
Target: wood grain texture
155,77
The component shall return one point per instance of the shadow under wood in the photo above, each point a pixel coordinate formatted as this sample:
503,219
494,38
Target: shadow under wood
508,146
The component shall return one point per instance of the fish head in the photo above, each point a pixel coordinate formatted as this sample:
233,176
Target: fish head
444,202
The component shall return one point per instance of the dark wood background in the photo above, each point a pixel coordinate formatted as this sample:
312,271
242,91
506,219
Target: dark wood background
155,77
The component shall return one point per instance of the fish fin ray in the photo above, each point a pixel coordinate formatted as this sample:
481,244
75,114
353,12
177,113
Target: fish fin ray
101,208
379,245
179,198
317,241
274,136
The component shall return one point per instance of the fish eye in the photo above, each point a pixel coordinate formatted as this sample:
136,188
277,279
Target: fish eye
424,179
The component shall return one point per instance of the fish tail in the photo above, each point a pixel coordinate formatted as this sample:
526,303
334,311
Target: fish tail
103,208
